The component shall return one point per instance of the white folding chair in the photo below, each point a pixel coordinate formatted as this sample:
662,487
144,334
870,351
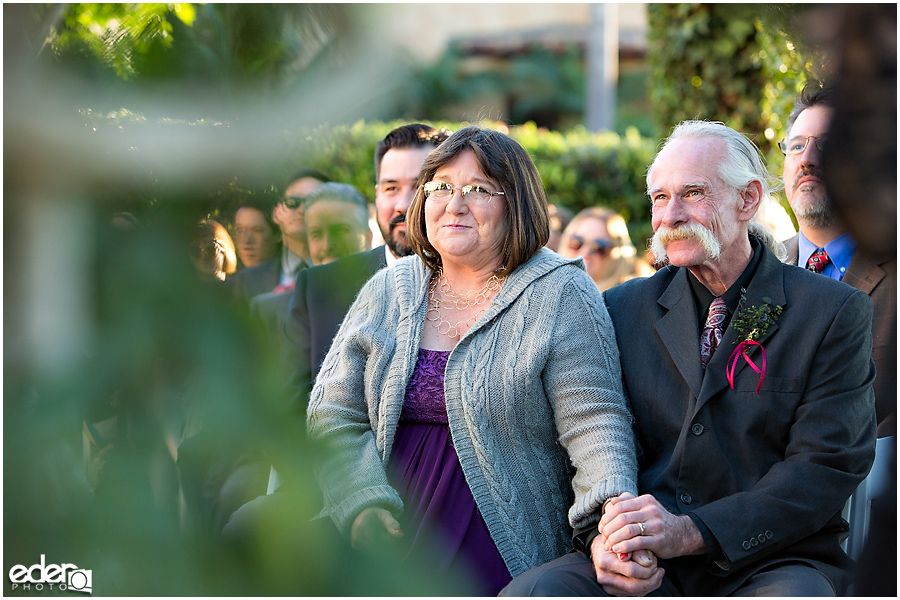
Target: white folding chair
856,510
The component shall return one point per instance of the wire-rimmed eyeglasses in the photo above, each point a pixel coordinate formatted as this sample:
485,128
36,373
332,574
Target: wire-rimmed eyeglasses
798,144
475,194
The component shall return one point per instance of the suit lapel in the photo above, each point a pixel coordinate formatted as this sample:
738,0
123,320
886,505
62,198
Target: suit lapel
792,245
377,259
863,273
369,263
767,282
680,324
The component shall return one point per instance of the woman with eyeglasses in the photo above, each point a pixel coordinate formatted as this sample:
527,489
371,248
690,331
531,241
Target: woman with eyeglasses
600,237
460,415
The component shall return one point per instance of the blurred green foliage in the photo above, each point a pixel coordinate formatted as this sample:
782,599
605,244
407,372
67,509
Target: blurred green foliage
736,63
535,83
742,64
170,356
223,53
118,34
580,168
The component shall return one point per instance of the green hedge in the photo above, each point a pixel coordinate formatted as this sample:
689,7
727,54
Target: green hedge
742,64
578,168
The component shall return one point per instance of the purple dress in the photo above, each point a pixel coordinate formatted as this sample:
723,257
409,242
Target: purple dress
441,519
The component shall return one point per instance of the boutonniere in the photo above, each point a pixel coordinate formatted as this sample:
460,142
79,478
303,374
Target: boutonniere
751,323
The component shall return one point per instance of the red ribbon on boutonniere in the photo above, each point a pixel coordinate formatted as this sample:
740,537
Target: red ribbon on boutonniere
751,323
741,350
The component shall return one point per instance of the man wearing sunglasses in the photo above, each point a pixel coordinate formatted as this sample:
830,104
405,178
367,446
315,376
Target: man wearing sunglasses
288,214
825,246
277,275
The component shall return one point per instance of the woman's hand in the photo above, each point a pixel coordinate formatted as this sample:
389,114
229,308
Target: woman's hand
374,527
637,575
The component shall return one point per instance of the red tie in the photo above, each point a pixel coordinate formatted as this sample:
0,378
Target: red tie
712,331
818,260
280,289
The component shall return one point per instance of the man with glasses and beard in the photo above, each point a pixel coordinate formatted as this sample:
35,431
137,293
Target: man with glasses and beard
750,383
825,246
323,294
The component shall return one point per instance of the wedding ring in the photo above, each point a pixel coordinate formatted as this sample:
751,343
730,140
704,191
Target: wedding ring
643,529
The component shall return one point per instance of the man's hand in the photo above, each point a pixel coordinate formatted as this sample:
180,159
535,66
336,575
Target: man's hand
636,576
663,533
372,528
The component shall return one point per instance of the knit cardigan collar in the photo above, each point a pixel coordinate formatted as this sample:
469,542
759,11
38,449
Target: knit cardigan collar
411,277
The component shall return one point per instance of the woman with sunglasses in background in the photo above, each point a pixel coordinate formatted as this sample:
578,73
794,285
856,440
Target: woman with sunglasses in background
600,237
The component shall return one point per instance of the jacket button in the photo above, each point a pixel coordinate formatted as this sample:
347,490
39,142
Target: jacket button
745,545
686,498
762,538
770,535
697,429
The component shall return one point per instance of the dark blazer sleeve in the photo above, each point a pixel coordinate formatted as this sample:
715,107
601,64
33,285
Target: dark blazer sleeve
877,277
296,349
830,441
320,300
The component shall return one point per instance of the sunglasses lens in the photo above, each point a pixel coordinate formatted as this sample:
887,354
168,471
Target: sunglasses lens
602,247
292,202
576,242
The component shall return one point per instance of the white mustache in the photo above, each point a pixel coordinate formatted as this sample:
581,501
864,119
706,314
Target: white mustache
696,231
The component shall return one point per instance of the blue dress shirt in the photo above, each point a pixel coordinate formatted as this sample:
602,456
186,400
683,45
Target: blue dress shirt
840,250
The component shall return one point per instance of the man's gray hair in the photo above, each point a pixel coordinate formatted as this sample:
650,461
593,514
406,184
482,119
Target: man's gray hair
741,164
343,192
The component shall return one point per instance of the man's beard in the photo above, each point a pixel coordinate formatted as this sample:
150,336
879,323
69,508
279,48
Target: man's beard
398,248
696,231
814,210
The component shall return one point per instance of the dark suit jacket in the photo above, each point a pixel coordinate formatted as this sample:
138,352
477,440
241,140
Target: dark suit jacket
764,475
258,280
321,298
877,277
272,309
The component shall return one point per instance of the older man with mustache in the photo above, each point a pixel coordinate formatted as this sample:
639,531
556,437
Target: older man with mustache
750,382
825,246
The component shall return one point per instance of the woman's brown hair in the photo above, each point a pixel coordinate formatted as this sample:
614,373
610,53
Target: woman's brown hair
502,159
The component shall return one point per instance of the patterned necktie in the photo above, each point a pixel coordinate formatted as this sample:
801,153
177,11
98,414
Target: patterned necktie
712,331
818,260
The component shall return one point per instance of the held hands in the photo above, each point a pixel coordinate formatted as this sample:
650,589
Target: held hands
373,528
631,524
636,575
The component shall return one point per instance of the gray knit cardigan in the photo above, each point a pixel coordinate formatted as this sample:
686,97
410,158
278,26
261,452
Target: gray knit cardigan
534,401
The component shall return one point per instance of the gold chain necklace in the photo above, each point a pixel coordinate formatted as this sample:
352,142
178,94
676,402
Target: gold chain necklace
454,301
